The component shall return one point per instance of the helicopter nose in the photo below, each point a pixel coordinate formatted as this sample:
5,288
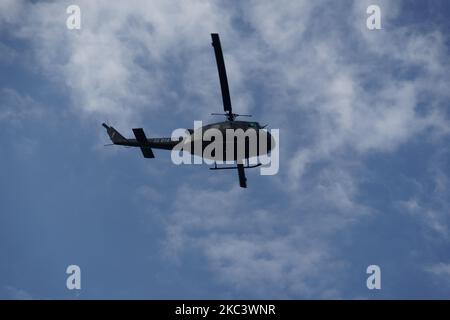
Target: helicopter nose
270,141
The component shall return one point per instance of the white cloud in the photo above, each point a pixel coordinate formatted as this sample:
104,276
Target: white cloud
10,11
271,251
441,270
7,54
118,64
16,294
338,91
16,107
429,203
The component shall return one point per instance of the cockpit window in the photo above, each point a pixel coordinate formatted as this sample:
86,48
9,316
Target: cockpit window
253,124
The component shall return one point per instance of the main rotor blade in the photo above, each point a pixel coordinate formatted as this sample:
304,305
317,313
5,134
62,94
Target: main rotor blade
222,73
241,174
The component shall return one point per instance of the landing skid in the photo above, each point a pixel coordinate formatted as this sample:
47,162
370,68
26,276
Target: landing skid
225,168
241,173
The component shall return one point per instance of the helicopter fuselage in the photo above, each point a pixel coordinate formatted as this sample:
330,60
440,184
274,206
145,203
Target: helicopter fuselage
227,135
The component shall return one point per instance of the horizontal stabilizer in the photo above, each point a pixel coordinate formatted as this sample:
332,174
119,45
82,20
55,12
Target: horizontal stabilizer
143,143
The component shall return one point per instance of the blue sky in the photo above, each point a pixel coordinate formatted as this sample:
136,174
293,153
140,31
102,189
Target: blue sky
364,150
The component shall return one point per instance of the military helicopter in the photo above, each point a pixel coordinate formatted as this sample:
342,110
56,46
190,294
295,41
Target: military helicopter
147,144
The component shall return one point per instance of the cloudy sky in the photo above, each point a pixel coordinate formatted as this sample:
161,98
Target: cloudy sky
364,150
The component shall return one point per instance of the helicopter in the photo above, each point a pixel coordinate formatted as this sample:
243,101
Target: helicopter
196,136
